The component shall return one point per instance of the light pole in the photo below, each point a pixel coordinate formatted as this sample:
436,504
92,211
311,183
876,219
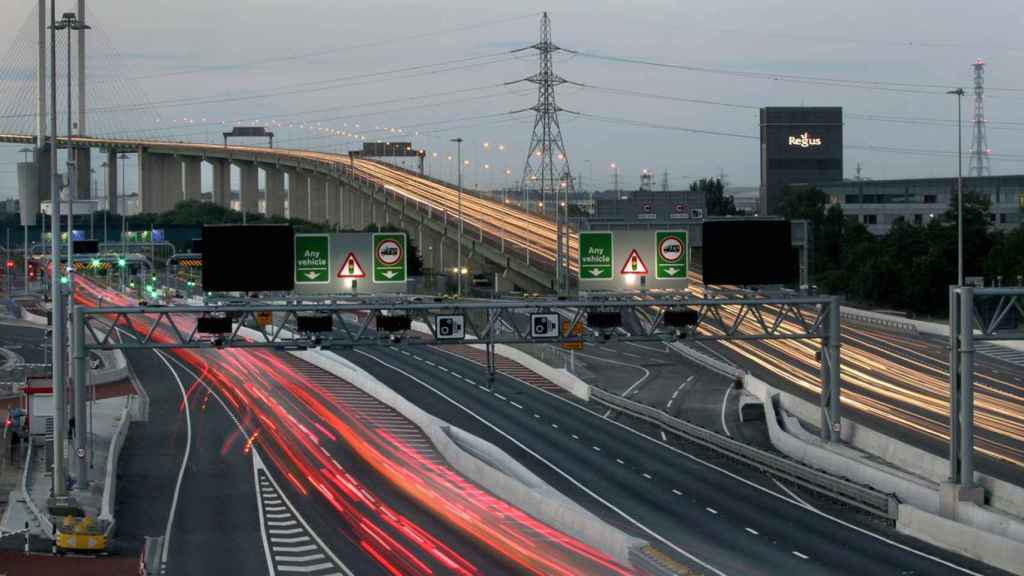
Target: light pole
107,202
458,142
959,93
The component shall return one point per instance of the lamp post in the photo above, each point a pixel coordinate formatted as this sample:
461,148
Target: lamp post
458,142
107,202
959,93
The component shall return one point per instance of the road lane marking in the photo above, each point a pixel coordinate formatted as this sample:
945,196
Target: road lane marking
567,476
596,448
712,510
725,400
752,531
646,475
184,460
799,555
619,460
516,404
499,396
677,492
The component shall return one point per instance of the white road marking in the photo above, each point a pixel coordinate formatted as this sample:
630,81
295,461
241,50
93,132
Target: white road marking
596,448
285,531
184,460
536,415
646,475
575,437
282,523
304,569
752,531
305,548
677,492
799,555
663,437
725,400
555,426
619,460
290,540
499,396
516,404
305,558
793,494
712,510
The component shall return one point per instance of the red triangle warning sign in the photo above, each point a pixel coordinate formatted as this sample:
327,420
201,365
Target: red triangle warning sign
634,265
351,268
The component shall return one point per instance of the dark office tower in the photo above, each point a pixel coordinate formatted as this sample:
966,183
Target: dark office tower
799,146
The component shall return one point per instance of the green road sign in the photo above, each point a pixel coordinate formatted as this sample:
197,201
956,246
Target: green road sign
312,258
596,258
671,248
389,257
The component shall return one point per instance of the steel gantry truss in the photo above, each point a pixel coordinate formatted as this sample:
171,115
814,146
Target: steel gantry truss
355,324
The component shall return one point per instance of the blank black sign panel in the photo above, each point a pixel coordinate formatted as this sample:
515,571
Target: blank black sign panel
258,258
748,252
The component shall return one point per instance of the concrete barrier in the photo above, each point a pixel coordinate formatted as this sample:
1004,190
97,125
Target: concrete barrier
558,376
706,360
500,474
34,318
42,519
113,457
115,368
985,547
924,326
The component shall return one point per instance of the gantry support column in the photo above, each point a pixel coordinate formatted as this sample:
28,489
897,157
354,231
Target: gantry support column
249,187
346,207
298,195
113,204
334,202
193,178
317,198
221,182
275,191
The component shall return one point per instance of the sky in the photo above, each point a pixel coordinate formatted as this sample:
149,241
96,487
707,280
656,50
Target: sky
440,70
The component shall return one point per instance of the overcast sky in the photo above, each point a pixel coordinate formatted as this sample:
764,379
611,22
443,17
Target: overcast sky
438,68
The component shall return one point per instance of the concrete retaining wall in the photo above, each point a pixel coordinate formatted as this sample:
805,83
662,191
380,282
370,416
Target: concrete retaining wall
115,370
706,360
33,318
983,546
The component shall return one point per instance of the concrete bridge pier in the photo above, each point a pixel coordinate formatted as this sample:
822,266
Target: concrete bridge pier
317,198
193,178
221,182
114,204
171,193
298,195
334,203
83,172
275,191
249,187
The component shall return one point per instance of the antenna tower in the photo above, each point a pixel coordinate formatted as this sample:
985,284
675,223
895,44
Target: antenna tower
980,154
546,173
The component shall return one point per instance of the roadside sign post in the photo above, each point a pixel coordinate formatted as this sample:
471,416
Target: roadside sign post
671,255
596,259
312,258
389,258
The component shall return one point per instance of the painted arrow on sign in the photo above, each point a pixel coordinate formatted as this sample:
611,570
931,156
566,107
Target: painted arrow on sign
389,274
671,271
311,275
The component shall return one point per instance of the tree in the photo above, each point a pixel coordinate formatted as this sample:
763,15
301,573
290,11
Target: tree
716,203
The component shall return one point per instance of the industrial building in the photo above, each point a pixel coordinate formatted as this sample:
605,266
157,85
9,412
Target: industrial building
879,204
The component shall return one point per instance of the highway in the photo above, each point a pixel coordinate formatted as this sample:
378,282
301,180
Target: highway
362,489
726,521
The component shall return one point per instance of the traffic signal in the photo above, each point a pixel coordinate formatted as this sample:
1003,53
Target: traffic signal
121,262
95,262
10,264
64,279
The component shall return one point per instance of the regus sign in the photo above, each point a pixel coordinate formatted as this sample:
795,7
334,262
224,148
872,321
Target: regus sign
804,140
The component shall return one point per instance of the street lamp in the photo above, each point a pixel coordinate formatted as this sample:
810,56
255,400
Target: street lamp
959,93
458,142
70,22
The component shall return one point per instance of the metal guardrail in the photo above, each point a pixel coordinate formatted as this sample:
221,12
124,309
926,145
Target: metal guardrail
883,322
873,501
